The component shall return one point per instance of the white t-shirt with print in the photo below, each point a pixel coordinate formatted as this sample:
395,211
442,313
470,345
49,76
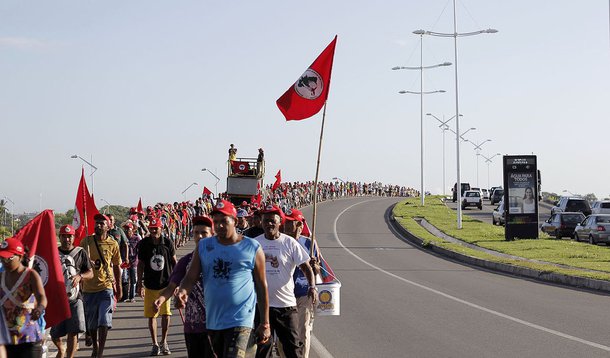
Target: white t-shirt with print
282,256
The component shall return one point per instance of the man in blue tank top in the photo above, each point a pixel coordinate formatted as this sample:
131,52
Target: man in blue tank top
234,280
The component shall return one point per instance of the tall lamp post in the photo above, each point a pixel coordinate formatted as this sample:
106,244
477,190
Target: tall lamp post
455,35
421,93
107,205
444,127
214,175
477,148
341,180
12,215
488,161
187,188
93,169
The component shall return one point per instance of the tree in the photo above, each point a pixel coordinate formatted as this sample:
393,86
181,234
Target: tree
591,197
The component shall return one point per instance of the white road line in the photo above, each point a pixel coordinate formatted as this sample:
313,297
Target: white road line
467,303
319,348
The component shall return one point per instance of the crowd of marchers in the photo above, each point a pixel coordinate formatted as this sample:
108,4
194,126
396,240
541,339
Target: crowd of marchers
247,289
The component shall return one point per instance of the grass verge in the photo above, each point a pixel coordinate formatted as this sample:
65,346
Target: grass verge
564,252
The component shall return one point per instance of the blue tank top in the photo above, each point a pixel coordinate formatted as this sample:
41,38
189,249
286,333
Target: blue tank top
228,283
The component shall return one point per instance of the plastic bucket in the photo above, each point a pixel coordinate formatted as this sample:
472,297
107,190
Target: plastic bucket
329,299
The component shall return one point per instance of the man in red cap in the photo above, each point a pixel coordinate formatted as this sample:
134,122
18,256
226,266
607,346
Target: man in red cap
156,260
282,255
293,227
98,295
195,331
76,267
233,271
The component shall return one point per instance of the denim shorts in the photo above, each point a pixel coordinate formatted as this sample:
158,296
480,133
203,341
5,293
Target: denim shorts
98,308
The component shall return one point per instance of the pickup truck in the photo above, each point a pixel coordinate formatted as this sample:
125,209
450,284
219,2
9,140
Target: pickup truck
472,198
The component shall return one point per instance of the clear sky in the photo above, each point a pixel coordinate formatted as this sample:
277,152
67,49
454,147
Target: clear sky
153,91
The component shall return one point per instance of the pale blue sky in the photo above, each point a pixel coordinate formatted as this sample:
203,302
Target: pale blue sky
157,90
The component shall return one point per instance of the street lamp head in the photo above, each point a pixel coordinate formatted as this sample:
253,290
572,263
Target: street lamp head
441,91
74,156
195,184
402,92
204,169
446,64
472,128
428,114
491,31
419,32
395,68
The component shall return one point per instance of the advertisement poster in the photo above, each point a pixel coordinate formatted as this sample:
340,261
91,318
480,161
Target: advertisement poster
521,193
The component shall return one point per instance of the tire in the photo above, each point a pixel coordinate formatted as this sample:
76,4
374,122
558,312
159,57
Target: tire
591,241
480,207
556,234
493,221
576,237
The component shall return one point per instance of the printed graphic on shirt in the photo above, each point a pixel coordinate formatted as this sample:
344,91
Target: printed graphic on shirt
157,262
69,270
272,260
272,256
222,268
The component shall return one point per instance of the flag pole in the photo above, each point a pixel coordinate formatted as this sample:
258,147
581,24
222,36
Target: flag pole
315,187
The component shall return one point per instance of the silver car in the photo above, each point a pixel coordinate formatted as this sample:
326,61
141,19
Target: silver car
595,228
600,207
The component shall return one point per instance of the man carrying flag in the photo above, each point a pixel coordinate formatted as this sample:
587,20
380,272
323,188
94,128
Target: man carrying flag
84,211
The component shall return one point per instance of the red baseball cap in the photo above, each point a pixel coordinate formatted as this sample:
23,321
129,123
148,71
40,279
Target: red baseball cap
225,208
66,230
134,218
128,225
294,215
154,222
274,209
101,217
132,210
203,220
10,247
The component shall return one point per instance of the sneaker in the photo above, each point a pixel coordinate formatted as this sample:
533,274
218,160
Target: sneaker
155,350
165,349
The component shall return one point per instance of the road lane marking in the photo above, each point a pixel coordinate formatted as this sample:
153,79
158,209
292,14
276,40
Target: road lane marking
456,299
319,348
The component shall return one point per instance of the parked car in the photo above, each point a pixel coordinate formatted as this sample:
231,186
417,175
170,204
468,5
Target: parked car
485,193
472,198
600,207
465,186
498,216
595,228
572,204
496,196
562,224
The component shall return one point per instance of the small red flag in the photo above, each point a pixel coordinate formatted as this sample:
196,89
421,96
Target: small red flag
206,191
39,236
84,211
139,207
239,167
278,180
309,93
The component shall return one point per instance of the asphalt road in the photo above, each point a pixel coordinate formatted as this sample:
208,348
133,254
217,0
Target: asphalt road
398,301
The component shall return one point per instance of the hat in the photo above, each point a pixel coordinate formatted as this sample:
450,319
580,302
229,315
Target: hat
274,209
10,247
203,220
154,222
128,225
242,213
134,218
101,217
132,210
224,207
294,215
66,230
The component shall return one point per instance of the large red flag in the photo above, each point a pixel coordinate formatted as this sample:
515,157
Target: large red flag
84,211
239,167
39,237
278,180
309,93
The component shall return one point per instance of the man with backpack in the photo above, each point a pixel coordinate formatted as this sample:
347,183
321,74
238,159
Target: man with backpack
76,267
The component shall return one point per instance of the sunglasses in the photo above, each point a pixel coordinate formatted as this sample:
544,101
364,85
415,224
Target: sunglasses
9,258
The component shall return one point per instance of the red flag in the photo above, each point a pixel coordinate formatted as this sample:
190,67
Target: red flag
309,93
139,207
39,236
239,167
278,180
84,211
206,191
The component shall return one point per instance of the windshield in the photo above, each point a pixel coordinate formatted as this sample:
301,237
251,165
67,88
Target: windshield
572,218
471,194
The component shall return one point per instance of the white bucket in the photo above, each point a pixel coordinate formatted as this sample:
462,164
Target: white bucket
329,299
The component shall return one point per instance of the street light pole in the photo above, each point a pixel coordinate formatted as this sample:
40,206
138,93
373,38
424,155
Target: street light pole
455,35
107,205
12,215
488,161
444,127
214,175
421,100
93,168
477,148
187,188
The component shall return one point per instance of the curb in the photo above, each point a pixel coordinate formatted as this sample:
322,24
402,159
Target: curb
551,277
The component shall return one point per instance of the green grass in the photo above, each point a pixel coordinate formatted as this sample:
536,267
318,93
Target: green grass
564,252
